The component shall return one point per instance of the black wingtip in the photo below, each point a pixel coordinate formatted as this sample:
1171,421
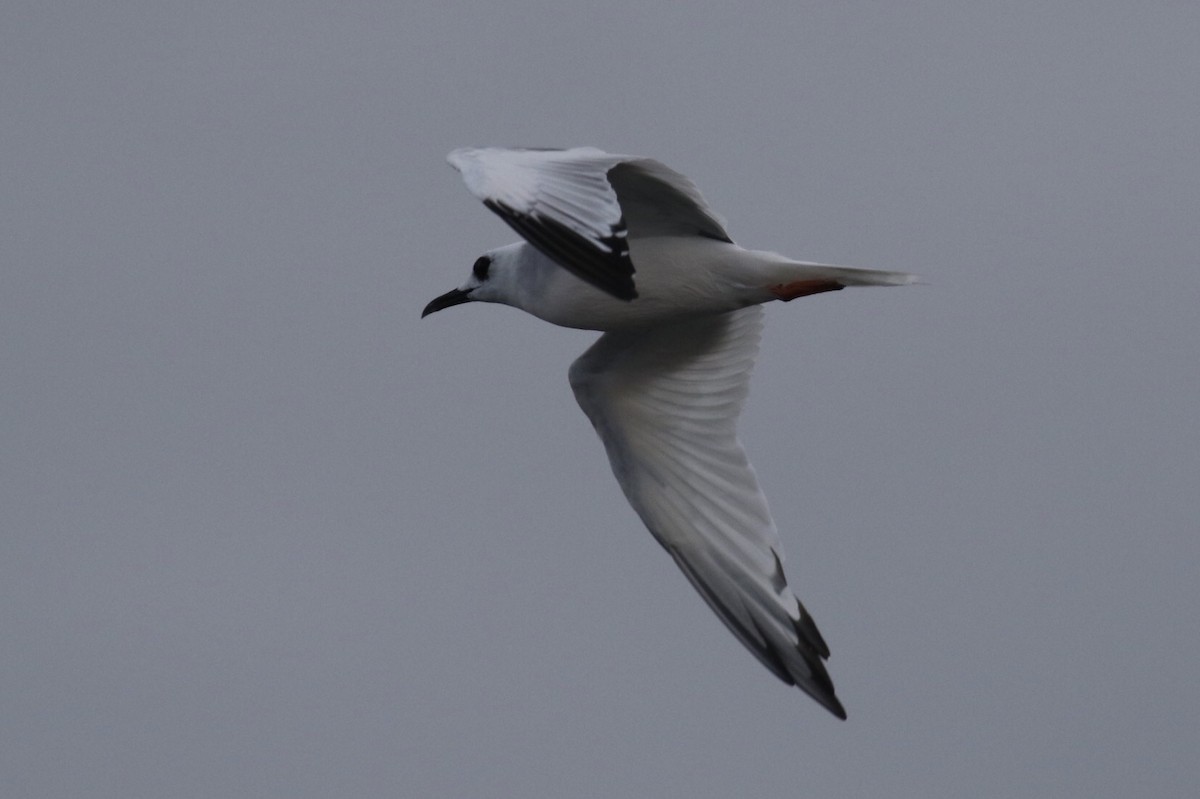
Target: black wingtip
824,694
604,263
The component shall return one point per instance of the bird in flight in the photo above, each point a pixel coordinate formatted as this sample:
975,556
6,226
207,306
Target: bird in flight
627,246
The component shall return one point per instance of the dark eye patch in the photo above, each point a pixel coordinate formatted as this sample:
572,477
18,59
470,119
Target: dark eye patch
482,263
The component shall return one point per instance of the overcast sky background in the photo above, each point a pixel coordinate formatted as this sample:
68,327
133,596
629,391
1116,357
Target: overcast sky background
266,533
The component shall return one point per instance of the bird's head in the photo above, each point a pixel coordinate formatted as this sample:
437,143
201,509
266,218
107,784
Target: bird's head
493,279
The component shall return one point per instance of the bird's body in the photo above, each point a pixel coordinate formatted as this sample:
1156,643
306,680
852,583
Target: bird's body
627,246
720,277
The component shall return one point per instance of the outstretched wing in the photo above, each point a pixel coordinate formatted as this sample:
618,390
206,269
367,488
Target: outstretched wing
665,403
581,206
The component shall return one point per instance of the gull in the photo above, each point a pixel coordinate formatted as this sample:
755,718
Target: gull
627,246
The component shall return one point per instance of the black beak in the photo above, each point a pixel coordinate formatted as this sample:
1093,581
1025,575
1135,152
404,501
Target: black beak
452,297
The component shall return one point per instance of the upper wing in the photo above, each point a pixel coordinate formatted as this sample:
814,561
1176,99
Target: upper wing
580,206
658,201
665,403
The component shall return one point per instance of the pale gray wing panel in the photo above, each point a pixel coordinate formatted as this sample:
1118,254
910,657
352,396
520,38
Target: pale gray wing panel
665,403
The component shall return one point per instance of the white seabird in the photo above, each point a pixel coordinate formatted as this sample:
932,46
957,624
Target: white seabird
627,246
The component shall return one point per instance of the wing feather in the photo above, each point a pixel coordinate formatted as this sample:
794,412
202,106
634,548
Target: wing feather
665,403
580,206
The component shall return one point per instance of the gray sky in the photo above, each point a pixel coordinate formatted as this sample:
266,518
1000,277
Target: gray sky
266,533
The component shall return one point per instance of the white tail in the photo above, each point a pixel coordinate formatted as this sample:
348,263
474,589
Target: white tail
846,275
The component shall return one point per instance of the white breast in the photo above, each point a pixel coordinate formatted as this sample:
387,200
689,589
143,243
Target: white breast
675,277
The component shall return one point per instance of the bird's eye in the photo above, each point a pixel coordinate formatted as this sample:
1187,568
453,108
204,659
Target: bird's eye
481,267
